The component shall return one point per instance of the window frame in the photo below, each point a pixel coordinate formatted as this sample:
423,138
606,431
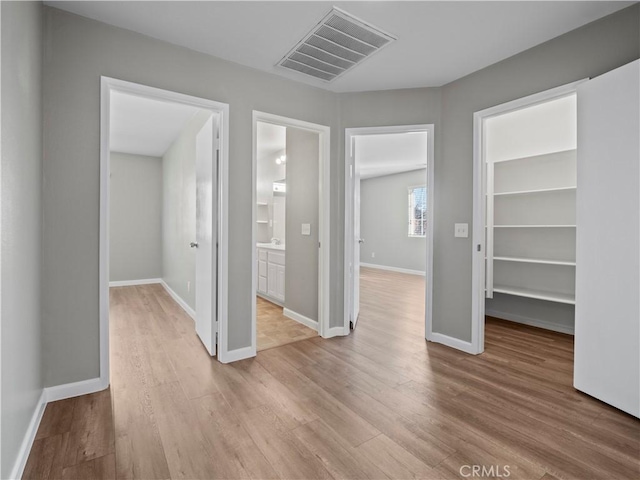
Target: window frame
411,209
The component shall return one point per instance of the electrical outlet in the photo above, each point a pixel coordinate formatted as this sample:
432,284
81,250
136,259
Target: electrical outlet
188,286
461,230
373,254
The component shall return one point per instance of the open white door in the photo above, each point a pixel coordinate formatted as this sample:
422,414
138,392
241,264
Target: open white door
356,242
207,234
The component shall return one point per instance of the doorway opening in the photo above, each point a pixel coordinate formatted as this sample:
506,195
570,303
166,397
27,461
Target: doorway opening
290,230
524,224
389,225
163,210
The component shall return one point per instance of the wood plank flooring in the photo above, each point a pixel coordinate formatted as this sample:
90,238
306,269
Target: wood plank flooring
273,329
381,403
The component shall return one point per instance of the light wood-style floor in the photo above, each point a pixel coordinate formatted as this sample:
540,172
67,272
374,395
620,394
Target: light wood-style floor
380,403
273,329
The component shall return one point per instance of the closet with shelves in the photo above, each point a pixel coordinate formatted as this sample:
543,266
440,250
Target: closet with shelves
530,211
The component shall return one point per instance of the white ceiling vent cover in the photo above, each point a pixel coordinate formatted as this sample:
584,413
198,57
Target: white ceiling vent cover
337,44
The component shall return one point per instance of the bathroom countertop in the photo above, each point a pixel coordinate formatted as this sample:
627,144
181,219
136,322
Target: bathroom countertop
271,246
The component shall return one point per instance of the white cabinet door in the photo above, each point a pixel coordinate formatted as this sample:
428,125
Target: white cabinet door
607,334
272,280
280,283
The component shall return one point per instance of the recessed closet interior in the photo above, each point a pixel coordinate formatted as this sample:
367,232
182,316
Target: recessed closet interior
530,174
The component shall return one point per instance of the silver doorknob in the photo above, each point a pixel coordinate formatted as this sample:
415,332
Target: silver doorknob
361,240
193,244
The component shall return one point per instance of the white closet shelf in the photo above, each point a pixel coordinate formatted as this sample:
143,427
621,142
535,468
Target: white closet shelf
534,226
541,190
536,157
535,260
537,294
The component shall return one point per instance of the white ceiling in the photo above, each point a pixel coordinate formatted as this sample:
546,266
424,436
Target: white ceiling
378,155
270,139
437,41
143,126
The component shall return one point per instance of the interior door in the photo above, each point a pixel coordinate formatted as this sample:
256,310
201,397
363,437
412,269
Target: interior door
356,243
607,331
207,234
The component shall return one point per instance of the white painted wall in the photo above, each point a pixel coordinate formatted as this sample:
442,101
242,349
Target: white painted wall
21,226
179,211
135,224
384,221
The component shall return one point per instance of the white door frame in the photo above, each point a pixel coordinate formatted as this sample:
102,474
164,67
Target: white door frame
478,244
350,133
324,258
108,85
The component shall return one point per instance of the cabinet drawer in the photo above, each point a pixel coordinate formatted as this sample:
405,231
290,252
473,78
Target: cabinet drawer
276,258
262,254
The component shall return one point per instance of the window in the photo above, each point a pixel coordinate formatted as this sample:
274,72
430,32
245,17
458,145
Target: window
417,211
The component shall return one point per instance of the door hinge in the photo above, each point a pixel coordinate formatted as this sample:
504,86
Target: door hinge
479,247
319,245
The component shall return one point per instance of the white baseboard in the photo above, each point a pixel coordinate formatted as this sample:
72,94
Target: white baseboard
130,283
29,437
269,299
393,269
190,311
75,389
306,321
452,342
238,354
51,394
533,322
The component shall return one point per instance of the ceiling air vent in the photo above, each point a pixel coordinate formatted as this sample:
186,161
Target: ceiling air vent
337,44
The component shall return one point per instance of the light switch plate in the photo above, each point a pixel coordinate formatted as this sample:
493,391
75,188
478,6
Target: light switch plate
306,229
461,230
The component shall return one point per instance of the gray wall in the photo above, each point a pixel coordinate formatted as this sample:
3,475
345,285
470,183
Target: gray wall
135,225
78,52
21,202
179,211
301,277
383,222
586,52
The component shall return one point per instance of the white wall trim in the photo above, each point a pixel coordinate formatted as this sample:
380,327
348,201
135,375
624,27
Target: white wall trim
306,321
190,311
324,215
51,394
29,437
75,389
452,342
479,191
222,109
348,214
239,354
394,269
130,283
534,322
